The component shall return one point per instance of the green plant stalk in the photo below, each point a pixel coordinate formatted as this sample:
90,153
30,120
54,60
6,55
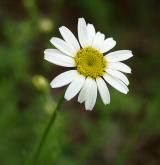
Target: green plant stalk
51,122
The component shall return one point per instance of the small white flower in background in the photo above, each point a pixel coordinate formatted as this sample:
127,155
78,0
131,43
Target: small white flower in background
91,66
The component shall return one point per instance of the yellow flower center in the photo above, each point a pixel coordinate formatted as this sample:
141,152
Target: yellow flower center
90,62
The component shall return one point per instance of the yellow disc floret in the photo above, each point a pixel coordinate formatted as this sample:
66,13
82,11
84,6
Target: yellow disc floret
90,62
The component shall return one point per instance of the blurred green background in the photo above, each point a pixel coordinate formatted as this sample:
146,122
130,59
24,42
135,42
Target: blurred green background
126,132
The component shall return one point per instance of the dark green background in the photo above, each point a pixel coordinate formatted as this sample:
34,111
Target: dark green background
126,132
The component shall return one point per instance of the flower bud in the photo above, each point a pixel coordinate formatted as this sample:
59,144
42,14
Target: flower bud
40,83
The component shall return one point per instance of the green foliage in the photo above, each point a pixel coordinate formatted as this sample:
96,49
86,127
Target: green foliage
124,132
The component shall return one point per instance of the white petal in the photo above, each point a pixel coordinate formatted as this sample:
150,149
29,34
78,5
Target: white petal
108,44
120,55
117,84
81,96
69,37
63,79
91,94
98,40
62,46
118,74
56,57
91,33
82,93
82,32
74,87
119,66
103,90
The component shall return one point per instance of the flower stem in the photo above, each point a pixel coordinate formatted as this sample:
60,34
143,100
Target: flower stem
52,120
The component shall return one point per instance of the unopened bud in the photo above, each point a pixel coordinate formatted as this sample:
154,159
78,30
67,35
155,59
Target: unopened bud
40,83
46,25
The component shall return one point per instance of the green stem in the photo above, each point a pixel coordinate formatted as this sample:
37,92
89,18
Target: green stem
52,120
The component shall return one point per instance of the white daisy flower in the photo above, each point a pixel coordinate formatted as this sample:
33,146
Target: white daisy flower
91,67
